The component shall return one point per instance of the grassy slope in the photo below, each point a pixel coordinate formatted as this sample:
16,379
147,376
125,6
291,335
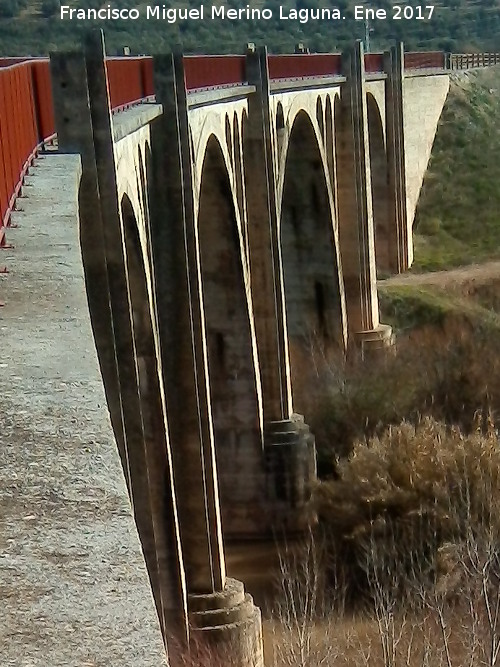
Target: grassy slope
407,307
458,217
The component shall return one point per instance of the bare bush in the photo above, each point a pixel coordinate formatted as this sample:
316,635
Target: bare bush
412,493
435,371
407,622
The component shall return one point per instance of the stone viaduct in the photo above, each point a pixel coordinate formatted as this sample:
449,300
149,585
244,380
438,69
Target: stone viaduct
234,220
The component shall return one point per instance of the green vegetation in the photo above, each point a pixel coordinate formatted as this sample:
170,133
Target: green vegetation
407,307
455,26
458,217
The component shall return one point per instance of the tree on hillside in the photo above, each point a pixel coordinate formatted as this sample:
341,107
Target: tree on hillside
9,8
50,7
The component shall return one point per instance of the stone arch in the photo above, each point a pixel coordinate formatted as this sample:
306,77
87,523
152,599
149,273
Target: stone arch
229,137
145,175
309,257
280,117
231,348
191,146
239,180
280,127
337,147
380,183
148,454
329,144
143,199
319,116
148,170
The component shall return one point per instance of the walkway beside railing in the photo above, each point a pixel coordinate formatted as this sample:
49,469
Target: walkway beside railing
27,114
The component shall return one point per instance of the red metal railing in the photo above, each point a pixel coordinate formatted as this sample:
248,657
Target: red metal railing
425,60
130,80
214,71
374,62
301,65
26,120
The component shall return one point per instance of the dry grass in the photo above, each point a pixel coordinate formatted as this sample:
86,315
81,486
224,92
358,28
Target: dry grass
425,627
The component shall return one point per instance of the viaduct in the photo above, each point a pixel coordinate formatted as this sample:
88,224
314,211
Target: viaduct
232,212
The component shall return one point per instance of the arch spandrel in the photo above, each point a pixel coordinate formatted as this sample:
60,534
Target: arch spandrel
207,122
128,152
376,89
290,104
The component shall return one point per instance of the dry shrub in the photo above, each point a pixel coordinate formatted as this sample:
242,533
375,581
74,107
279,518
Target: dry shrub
217,651
409,500
410,519
300,632
448,372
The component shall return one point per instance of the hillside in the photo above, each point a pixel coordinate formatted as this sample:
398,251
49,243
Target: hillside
458,216
456,25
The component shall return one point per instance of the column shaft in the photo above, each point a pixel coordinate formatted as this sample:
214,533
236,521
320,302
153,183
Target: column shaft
400,240
264,243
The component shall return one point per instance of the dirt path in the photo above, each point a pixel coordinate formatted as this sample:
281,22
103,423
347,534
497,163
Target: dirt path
454,278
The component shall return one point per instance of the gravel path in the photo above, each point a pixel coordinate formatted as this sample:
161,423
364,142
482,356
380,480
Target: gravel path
74,590
472,273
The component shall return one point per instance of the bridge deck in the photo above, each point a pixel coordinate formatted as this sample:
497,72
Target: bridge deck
73,585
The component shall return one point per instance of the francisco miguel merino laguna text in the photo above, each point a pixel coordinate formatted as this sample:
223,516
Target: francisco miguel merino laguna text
174,14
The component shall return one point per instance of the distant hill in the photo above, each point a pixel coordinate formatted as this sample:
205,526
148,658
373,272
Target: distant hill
34,27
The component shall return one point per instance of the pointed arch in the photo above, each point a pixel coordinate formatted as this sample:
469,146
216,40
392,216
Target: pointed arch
153,510
319,116
230,343
309,257
380,183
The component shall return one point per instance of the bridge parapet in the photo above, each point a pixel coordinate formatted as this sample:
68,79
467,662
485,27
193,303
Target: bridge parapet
130,81
205,72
